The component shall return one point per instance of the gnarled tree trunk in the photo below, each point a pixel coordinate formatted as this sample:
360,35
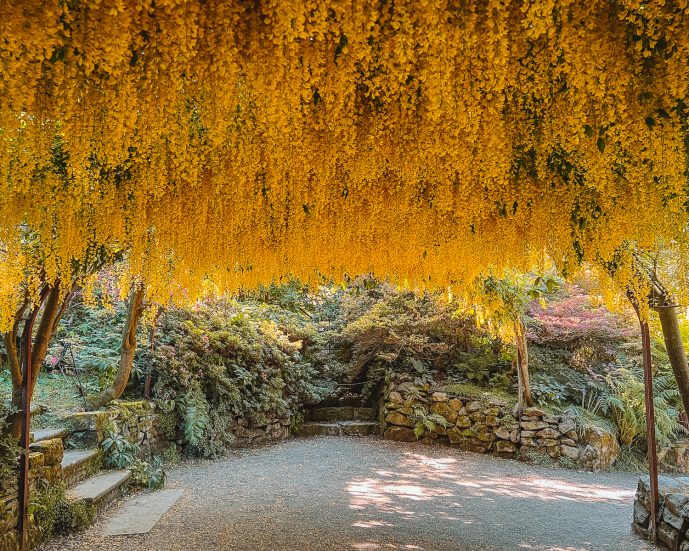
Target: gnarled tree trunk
127,350
52,304
675,351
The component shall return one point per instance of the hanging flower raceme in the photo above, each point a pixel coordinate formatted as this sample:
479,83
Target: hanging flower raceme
237,142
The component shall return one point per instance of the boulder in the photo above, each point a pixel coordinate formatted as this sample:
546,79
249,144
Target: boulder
674,458
601,448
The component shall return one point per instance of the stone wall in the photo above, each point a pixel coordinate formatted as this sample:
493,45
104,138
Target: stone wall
137,421
672,515
44,464
479,424
272,430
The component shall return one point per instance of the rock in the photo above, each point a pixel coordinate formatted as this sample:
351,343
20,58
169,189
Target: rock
530,418
533,425
677,504
484,434
474,406
396,418
505,447
552,419
675,458
547,442
601,449
36,460
502,433
439,397
406,387
573,435
514,436
463,422
678,522
528,442
668,535
444,409
492,421
569,452
457,436
567,425
494,411
455,404
553,451
549,433
400,434
534,412
52,450
477,417
567,442
641,515
396,397
439,429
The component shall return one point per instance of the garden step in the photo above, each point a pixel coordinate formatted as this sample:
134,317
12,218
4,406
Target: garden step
102,489
342,414
78,464
48,434
341,428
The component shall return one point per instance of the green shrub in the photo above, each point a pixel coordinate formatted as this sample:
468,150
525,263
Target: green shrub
148,475
120,453
224,360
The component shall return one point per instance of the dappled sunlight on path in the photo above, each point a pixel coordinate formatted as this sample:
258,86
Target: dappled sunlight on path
367,494
433,488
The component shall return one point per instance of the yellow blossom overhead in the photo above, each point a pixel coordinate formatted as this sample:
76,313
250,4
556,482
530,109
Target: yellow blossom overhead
232,142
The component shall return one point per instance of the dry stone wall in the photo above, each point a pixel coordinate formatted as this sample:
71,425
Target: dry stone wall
413,412
44,467
672,515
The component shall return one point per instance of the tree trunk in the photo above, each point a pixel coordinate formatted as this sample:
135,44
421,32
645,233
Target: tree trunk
127,350
523,360
675,351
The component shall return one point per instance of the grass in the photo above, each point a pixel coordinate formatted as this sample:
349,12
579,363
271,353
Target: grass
471,390
57,394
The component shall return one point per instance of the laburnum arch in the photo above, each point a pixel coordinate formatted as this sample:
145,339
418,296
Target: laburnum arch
233,142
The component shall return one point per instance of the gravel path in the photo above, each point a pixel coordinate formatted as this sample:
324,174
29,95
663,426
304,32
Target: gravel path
365,494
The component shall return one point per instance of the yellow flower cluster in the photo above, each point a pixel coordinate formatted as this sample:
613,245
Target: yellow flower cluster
225,143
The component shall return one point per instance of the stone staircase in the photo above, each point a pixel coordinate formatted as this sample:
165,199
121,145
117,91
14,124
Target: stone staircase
80,470
339,421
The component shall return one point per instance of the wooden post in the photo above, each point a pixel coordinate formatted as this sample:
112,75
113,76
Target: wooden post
650,424
25,435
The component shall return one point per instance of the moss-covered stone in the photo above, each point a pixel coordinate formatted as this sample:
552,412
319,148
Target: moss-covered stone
52,450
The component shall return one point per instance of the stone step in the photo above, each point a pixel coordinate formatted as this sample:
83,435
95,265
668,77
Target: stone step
49,434
342,414
78,465
340,428
102,489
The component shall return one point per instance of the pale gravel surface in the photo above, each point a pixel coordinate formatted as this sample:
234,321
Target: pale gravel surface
365,494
